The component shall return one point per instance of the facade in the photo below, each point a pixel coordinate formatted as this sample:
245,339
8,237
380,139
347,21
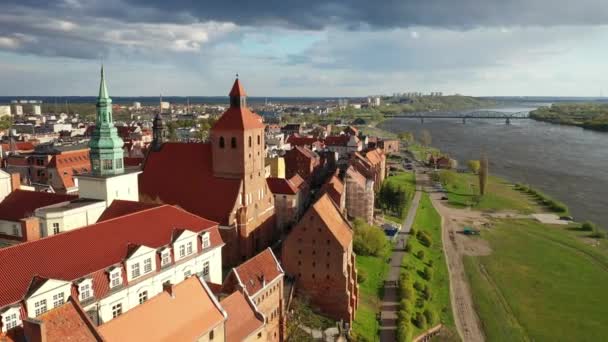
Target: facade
319,254
111,267
302,161
290,197
335,189
344,144
371,164
261,280
5,111
360,195
65,216
245,322
389,146
223,180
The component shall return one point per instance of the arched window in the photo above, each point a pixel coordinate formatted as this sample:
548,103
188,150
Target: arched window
259,140
249,141
233,142
221,142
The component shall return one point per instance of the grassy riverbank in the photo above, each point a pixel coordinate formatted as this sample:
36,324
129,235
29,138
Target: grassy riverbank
365,326
592,116
539,283
424,279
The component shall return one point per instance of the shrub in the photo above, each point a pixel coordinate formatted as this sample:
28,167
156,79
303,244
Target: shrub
404,331
419,320
419,302
361,275
430,317
408,247
418,286
369,240
424,239
430,263
413,231
598,233
588,226
407,292
420,255
426,293
427,273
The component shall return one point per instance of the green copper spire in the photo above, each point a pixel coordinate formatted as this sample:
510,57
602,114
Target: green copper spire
106,146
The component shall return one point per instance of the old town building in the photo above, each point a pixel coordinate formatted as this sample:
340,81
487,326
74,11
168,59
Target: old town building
371,164
359,195
290,198
223,180
319,254
302,161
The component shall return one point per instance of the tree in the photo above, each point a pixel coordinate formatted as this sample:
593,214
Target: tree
368,240
473,165
588,226
483,174
425,137
408,137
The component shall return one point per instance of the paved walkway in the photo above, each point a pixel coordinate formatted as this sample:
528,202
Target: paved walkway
390,301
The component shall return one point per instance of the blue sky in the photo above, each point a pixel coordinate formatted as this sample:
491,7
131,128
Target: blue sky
313,48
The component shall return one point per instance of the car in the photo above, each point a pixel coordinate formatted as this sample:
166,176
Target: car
444,198
566,218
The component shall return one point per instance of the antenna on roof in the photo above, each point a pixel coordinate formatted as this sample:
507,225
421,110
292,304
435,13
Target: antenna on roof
237,75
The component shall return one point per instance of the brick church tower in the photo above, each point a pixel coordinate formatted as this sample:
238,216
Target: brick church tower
237,144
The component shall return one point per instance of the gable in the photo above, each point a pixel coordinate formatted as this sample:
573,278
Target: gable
140,251
46,286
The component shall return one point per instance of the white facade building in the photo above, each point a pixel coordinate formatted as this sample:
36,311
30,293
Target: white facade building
5,111
108,188
63,217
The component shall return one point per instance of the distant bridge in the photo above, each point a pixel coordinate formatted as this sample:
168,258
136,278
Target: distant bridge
464,116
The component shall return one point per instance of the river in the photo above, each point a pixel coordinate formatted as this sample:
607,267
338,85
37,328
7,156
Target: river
568,163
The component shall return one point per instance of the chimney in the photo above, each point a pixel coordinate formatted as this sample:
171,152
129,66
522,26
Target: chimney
30,229
263,280
15,181
34,330
169,288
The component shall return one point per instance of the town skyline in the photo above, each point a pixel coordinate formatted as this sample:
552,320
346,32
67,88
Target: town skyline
325,49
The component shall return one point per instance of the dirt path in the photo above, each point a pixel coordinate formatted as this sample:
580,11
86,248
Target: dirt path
455,245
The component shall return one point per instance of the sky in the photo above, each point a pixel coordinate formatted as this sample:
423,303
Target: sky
304,48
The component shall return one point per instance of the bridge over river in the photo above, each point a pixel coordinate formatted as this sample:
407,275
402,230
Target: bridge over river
507,116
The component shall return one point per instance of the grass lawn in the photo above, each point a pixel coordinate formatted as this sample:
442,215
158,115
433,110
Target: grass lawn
429,221
420,151
375,131
540,283
408,180
500,195
375,269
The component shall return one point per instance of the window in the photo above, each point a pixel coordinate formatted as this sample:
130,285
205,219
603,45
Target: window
187,274
211,335
135,271
259,140
165,258
85,291
143,297
116,310
119,163
233,142
40,307
148,265
115,278
107,164
16,231
55,228
182,251
189,248
206,268
58,300
206,240
11,321
249,141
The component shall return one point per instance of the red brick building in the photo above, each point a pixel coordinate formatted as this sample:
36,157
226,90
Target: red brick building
222,180
319,254
290,197
302,161
371,164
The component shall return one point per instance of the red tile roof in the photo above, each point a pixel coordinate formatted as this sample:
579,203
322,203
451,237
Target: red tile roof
237,117
187,315
69,323
296,140
120,208
337,140
181,173
334,188
237,89
92,249
327,211
22,146
21,203
285,186
257,271
243,320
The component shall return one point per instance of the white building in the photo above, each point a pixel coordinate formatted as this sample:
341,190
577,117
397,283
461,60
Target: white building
66,216
111,267
136,105
36,109
5,111
17,109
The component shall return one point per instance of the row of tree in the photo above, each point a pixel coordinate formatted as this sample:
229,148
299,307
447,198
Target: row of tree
393,198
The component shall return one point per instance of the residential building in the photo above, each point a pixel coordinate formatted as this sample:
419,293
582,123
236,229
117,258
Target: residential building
187,311
68,215
290,198
310,142
371,164
360,195
111,267
291,129
319,254
389,146
344,144
276,166
261,280
223,179
245,322
334,188
5,111
302,161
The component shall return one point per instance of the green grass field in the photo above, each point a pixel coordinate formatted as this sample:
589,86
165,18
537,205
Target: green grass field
463,191
370,292
428,220
420,152
539,284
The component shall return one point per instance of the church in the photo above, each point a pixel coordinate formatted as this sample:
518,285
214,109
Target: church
221,180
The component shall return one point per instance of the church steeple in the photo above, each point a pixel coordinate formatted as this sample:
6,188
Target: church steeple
158,132
106,146
238,97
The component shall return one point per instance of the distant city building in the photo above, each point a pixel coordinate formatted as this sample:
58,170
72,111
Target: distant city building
5,111
16,109
136,105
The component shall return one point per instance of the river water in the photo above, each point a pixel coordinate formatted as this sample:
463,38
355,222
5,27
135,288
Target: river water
568,163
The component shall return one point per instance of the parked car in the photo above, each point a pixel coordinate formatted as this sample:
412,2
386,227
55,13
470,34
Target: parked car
444,198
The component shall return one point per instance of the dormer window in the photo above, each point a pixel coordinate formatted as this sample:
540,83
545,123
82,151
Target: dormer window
40,307
115,278
206,240
222,142
165,257
10,319
135,272
58,300
148,265
189,248
85,290
182,251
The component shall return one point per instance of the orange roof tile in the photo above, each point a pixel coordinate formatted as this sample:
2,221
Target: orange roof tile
243,319
189,314
286,186
334,188
326,210
121,208
69,323
22,203
238,118
259,270
237,89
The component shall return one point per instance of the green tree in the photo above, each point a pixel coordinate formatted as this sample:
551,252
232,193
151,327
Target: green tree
483,174
407,137
473,165
368,240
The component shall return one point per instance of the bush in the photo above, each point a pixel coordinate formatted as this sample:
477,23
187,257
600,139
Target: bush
426,293
418,286
419,302
407,292
430,263
425,239
404,332
420,255
419,320
369,240
588,226
427,273
408,247
361,275
598,233
413,231
430,317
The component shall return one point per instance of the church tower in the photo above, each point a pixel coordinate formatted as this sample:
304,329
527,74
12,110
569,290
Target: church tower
158,132
108,179
237,144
